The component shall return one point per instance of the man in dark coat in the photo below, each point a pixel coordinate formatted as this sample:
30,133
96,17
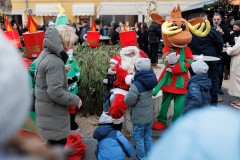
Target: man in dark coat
223,30
154,35
84,30
209,46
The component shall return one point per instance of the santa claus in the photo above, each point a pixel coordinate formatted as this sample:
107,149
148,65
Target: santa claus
125,71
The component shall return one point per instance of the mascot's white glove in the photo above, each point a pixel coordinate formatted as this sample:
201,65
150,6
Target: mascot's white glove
169,70
172,58
129,79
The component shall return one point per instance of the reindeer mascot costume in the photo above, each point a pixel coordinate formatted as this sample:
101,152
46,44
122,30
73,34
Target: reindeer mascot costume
177,57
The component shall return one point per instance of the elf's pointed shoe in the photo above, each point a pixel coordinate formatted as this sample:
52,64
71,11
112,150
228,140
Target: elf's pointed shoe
74,125
158,126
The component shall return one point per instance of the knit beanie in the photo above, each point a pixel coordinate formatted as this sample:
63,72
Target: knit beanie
143,64
237,22
199,66
14,91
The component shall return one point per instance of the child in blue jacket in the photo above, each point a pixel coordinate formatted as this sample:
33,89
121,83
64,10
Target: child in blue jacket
198,87
112,145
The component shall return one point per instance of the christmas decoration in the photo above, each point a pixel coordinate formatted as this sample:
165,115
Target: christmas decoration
93,37
151,8
12,35
33,39
61,17
31,25
2,17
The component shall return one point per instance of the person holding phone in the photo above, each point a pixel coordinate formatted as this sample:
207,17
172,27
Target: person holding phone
73,77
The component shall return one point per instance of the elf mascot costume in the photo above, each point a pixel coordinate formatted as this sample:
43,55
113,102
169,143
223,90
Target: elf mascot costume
125,71
177,57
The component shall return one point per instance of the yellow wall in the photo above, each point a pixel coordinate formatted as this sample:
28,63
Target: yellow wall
66,4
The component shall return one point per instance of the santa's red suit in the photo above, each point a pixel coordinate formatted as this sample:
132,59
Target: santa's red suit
124,80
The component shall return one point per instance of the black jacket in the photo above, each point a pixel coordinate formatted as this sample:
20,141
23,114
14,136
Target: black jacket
115,37
109,83
84,31
208,46
144,42
154,33
226,36
233,35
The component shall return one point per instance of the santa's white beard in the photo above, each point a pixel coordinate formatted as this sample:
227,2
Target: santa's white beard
127,63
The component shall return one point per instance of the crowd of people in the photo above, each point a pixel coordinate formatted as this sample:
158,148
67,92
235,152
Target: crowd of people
130,82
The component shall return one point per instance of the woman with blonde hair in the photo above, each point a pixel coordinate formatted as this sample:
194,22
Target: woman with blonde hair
51,90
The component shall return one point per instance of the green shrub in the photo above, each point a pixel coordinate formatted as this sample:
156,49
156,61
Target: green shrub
93,63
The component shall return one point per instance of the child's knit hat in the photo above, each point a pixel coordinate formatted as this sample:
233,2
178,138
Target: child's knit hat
115,60
143,64
199,66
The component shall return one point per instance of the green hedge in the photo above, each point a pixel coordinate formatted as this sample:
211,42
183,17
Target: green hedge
93,63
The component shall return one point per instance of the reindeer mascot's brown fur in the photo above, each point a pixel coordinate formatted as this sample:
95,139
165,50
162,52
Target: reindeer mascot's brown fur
177,57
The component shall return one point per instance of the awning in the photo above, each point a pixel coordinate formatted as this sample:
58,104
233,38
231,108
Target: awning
83,9
121,8
45,9
198,5
138,7
16,12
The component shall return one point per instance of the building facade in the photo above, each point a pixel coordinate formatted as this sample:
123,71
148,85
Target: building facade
86,10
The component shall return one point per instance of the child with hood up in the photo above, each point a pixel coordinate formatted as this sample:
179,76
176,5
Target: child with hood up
198,87
112,145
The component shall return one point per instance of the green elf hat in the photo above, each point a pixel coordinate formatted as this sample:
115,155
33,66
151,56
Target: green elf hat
61,17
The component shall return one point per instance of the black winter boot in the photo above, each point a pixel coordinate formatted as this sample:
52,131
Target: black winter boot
73,124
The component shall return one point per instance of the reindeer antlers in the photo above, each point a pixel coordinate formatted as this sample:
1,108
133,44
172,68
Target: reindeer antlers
168,30
199,32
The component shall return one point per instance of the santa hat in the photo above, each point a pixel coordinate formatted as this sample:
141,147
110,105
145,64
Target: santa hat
117,121
105,119
115,60
129,47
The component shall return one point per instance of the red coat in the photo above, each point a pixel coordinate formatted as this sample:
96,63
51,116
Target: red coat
121,75
176,81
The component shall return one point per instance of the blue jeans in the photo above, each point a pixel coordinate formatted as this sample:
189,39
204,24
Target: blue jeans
142,140
112,97
108,101
213,75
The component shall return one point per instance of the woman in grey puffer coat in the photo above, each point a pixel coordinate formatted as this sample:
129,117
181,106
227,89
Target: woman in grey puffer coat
51,90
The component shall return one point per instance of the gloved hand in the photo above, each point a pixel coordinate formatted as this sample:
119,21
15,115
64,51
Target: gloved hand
169,70
105,81
172,58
